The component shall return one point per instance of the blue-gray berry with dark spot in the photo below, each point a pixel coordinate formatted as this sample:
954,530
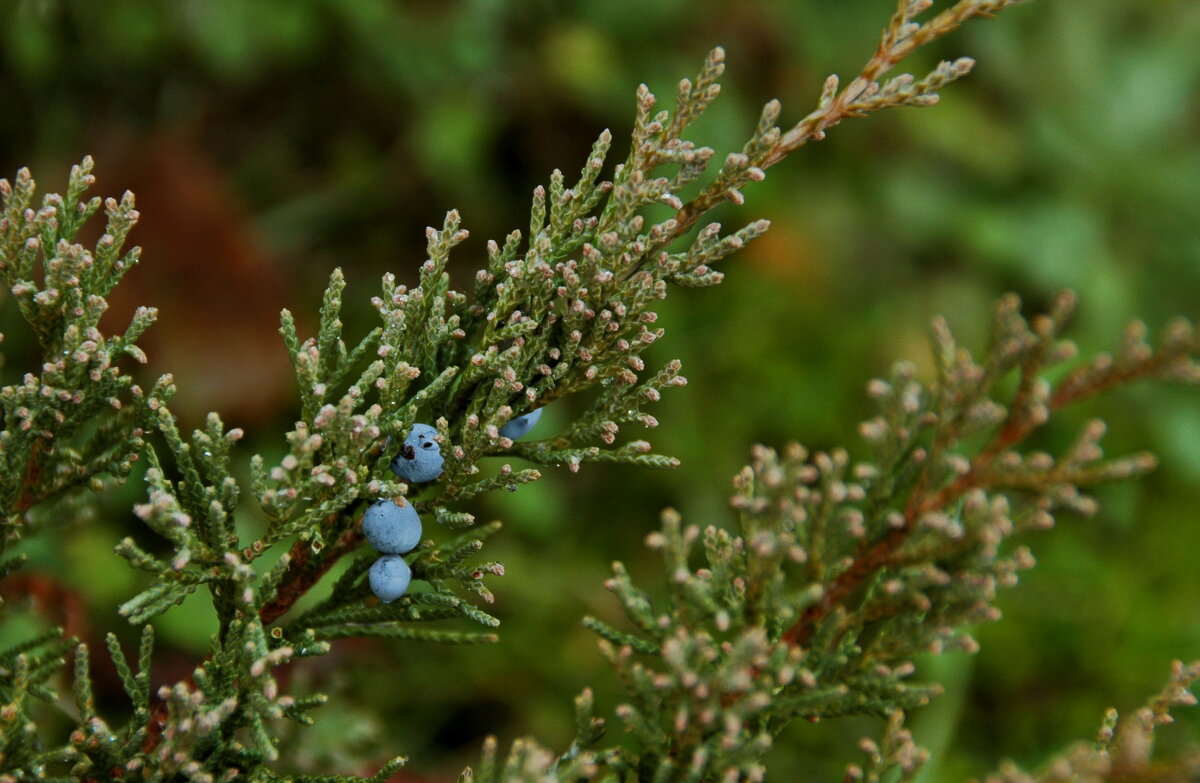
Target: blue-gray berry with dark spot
521,425
391,528
420,458
389,577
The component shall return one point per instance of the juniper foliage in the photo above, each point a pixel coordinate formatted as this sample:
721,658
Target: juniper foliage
837,574
812,607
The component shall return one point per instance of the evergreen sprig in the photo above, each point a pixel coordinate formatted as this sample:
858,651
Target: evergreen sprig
67,424
839,574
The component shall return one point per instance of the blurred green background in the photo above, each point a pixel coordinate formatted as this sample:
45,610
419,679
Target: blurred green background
270,141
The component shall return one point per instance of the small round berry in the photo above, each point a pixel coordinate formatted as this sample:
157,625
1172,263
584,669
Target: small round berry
419,459
521,425
389,578
390,528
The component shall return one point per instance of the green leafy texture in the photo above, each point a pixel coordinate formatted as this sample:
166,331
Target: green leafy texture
25,669
559,311
68,425
65,428
136,686
839,575
233,693
565,309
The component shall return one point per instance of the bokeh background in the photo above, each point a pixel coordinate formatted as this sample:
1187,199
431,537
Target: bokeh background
270,141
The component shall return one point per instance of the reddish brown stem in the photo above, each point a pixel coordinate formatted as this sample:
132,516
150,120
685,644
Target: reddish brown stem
888,54
1018,427
33,475
302,575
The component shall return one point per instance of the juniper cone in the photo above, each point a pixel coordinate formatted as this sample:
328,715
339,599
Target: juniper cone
391,528
389,578
420,459
521,425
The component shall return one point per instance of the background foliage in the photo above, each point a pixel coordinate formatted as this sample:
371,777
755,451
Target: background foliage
270,141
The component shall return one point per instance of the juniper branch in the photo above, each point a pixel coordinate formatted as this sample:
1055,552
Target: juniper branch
1033,403
838,575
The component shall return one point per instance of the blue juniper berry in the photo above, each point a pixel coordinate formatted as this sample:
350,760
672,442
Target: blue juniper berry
420,458
392,529
521,425
389,578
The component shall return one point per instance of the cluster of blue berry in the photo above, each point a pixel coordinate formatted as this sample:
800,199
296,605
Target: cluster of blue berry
521,425
395,529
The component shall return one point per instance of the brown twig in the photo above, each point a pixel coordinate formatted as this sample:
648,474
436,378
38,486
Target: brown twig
1016,429
893,48
302,574
33,476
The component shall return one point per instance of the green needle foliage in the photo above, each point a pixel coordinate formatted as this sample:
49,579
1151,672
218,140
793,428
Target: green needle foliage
838,574
69,424
813,606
